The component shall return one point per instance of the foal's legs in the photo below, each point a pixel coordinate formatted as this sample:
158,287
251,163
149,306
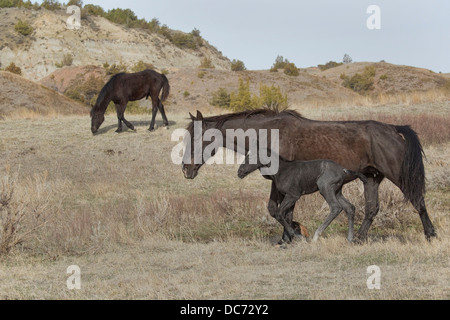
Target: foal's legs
329,193
372,205
350,211
275,200
287,204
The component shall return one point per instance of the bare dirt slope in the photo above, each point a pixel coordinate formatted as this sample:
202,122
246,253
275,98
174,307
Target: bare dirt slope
98,41
20,97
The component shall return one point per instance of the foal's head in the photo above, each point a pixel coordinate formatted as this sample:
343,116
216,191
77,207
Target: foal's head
249,165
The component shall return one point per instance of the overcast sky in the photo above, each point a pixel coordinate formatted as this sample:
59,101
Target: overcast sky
308,33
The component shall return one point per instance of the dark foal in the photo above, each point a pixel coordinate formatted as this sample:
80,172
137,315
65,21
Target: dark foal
297,178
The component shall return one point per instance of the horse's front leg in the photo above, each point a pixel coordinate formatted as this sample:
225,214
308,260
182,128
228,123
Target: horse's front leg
120,109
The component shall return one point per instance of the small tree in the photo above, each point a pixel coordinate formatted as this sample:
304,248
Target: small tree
221,98
347,59
242,99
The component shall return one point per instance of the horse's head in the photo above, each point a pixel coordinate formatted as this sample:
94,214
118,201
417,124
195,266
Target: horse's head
97,119
193,158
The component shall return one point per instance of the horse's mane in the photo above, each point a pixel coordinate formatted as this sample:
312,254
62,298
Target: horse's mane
221,119
105,90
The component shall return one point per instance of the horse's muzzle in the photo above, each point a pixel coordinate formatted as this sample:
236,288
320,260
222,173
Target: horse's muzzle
188,172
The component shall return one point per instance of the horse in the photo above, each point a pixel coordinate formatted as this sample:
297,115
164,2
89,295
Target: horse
124,87
296,178
377,150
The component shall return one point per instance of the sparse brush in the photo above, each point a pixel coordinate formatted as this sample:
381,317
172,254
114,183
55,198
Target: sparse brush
22,212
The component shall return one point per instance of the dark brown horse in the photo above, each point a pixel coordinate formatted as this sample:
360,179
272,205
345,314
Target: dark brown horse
124,87
376,149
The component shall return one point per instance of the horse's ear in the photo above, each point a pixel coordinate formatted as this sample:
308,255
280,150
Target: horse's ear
199,116
192,117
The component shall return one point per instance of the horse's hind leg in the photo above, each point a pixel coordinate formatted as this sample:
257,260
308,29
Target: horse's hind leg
155,106
372,205
163,113
426,222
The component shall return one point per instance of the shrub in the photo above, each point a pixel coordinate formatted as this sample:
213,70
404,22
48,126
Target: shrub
141,66
94,10
206,63
186,94
383,77
329,65
23,28
271,98
124,17
184,40
10,3
237,65
13,69
221,98
280,63
85,91
360,83
201,74
115,68
291,69
242,99
22,211
51,5
66,61
78,3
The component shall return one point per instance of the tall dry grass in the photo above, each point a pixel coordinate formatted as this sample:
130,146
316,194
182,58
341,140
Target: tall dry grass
372,100
431,128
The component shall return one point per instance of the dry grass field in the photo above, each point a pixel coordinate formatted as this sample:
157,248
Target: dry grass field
117,207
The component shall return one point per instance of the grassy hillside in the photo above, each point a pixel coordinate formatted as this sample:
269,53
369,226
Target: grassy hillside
21,98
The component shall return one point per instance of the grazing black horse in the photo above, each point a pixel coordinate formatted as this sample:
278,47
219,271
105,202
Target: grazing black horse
124,87
297,178
376,149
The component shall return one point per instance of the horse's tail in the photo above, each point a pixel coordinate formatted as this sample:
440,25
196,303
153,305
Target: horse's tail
412,176
165,88
359,175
